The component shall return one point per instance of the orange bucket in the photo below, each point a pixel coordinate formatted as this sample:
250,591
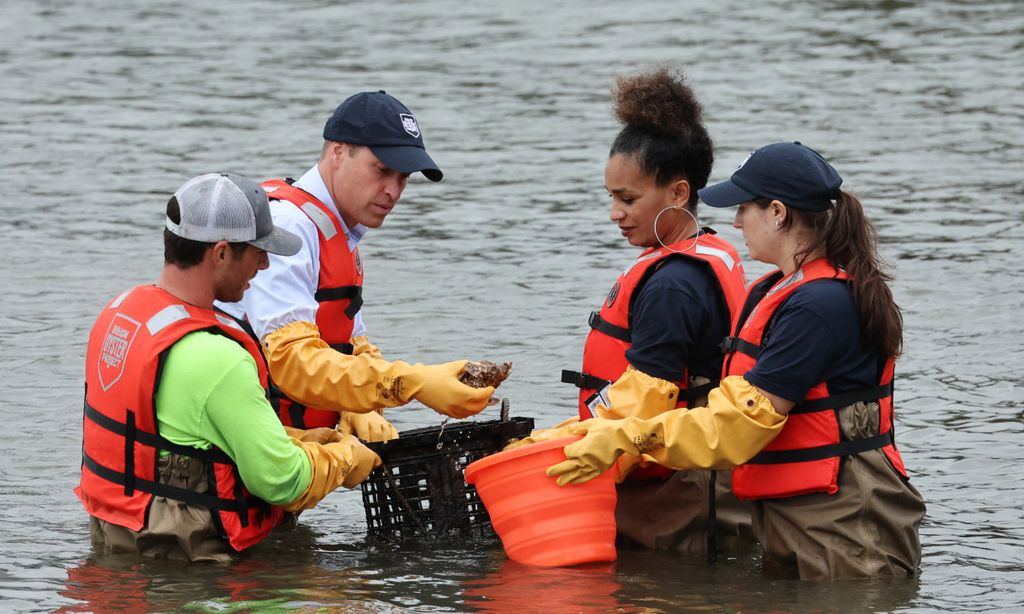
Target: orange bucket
538,521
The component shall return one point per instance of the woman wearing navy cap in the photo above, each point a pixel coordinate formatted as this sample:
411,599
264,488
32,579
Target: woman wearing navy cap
807,383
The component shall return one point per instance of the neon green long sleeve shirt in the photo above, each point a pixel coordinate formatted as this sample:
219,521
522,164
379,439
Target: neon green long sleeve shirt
209,395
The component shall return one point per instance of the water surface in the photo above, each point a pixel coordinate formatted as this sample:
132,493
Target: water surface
106,107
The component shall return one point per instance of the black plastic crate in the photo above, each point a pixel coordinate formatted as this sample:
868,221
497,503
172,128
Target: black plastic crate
420,490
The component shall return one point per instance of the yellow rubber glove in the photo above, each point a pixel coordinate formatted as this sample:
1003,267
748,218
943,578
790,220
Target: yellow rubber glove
562,429
312,373
737,423
635,393
361,345
639,395
438,387
371,426
340,463
320,434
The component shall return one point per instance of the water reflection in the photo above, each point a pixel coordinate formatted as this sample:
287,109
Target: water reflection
288,571
126,583
513,587
91,584
129,583
103,114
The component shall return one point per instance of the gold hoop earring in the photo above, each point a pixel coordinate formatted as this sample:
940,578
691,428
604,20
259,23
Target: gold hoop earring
695,223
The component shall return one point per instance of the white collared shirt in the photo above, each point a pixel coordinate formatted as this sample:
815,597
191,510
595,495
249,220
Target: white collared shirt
284,293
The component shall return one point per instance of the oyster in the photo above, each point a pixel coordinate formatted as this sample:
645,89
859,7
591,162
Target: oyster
484,373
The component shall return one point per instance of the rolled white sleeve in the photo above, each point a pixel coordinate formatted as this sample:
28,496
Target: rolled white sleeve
358,328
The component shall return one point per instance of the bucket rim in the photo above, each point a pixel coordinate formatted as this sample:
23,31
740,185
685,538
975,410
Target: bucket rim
508,455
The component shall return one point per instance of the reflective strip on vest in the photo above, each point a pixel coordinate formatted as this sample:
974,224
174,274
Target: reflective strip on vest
117,301
226,321
785,283
321,220
718,253
655,254
165,317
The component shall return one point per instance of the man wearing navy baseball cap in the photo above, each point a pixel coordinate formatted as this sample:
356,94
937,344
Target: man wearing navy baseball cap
306,309
384,125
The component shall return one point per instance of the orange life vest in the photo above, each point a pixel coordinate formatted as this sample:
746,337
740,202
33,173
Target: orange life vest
339,294
121,442
804,457
604,353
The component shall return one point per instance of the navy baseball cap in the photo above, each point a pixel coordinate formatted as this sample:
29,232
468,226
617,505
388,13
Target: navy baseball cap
792,173
385,125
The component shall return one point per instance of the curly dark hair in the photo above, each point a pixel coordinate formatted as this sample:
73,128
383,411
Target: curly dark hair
663,128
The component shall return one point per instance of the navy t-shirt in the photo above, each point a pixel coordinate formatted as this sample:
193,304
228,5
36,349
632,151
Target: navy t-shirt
815,336
678,320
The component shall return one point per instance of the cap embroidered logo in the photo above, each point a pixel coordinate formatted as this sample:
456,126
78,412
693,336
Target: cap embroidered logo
409,123
749,155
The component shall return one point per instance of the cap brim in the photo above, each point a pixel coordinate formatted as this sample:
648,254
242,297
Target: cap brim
725,194
279,242
408,159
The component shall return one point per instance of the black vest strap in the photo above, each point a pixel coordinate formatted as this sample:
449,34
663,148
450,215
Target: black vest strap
843,448
583,380
275,395
735,344
843,399
354,293
132,482
132,434
171,492
344,348
616,332
297,414
754,296
129,453
243,322
239,493
695,392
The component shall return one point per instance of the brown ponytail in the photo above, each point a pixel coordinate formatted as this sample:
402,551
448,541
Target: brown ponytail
849,241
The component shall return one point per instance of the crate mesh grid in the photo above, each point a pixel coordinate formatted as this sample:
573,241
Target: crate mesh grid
420,490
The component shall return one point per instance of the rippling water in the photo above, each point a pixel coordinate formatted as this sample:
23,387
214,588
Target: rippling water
106,107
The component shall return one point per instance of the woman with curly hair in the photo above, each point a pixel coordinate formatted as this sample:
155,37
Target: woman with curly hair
653,345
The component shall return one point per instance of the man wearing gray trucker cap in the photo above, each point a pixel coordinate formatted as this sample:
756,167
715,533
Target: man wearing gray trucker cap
307,308
183,456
